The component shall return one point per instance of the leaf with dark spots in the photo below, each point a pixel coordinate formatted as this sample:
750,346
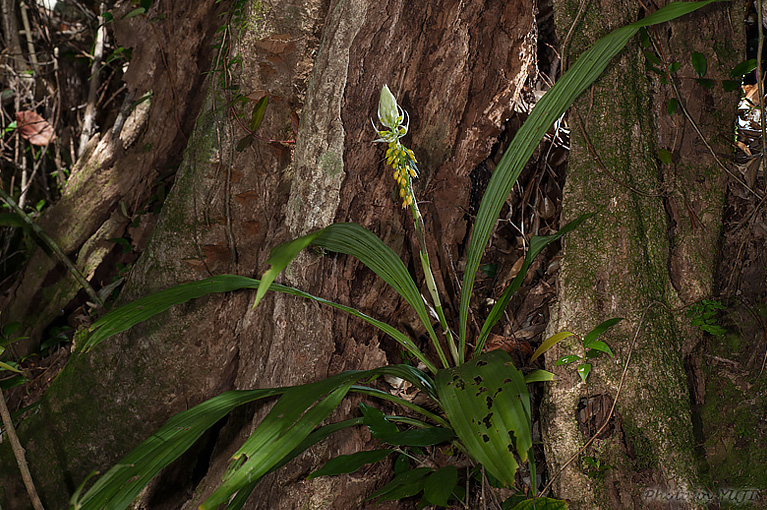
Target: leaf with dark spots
481,390
478,380
481,363
485,438
487,420
489,402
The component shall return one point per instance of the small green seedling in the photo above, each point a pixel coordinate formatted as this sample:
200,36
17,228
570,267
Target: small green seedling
592,347
704,316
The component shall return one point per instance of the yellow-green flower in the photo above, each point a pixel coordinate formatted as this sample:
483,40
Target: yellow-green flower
398,156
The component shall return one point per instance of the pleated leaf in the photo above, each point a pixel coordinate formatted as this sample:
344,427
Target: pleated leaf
488,405
293,418
127,316
355,240
119,486
291,427
551,106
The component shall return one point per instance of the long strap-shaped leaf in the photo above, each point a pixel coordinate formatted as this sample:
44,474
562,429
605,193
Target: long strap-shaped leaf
551,106
288,429
287,425
353,239
127,316
119,486
537,244
488,405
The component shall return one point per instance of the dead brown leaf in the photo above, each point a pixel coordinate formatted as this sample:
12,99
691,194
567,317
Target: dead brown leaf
34,128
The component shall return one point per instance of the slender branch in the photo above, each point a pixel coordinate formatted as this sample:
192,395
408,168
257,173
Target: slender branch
54,247
18,452
89,118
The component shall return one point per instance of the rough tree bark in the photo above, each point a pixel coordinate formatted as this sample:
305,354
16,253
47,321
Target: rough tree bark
457,68
650,248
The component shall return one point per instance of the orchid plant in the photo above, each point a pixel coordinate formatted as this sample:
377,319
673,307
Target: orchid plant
480,400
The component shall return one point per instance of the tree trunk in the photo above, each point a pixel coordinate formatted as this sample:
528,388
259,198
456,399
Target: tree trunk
457,68
649,249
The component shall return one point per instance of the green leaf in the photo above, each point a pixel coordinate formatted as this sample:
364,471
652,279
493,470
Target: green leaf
12,382
6,366
674,67
418,437
244,143
598,345
135,12
488,405
730,85
405,485
672,105
599,330
279,257
439,485
665,156
584,369
350,463
707,84
10,329
376,421
564,360
119,486
699,63
593,353
258,113
288,424
552,105
745,67
652,57
644,38
539,376
537,245
355,240
127,316
549,343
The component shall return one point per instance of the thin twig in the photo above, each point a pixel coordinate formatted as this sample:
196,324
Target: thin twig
54,247
18,452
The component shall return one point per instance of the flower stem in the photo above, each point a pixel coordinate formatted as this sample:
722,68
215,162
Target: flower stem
431,284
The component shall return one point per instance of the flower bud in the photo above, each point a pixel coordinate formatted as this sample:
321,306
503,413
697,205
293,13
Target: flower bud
388,110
